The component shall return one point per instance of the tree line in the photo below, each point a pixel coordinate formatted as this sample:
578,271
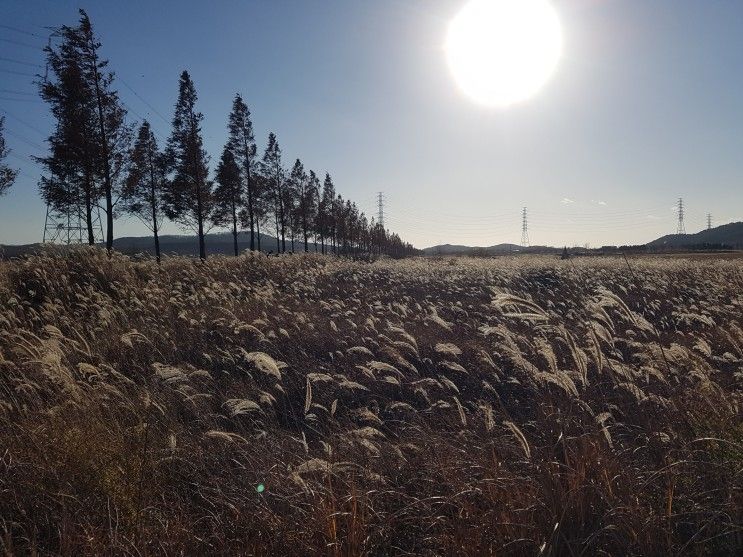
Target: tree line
97,160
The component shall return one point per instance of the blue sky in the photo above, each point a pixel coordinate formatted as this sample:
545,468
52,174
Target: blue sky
644,107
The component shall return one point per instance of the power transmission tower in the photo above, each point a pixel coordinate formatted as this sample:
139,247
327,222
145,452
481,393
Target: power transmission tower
524,229
67,225
709,221
380,208
681,229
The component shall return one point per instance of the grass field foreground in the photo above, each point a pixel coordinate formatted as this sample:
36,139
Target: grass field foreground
313,405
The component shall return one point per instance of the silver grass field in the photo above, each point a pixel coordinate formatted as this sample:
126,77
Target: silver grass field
303,405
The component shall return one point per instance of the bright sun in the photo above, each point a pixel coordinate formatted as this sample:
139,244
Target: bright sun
503,51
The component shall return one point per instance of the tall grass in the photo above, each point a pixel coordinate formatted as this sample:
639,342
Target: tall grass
308,405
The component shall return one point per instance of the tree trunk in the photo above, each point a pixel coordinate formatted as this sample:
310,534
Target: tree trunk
89,218
157,244
197,179
278,238
89,209
304,230
258,229
250,197
234,228
200,219
282,218
104,149
153,204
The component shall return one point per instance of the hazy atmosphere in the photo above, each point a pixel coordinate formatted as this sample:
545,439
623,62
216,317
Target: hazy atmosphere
643,107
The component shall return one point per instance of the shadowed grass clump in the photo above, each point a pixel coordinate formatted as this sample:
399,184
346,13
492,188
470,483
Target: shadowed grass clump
308,405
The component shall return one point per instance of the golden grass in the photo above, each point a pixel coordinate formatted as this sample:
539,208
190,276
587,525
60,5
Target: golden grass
307,405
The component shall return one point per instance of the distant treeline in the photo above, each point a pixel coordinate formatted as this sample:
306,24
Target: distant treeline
99,162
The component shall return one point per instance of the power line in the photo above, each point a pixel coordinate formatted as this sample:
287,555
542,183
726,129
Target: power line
8,99
24,74
524,229
20,158
19,43
29,33
26,141
21,62
30,126
144,101
12,92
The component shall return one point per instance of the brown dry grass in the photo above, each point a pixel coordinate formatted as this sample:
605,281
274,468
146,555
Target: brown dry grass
457,407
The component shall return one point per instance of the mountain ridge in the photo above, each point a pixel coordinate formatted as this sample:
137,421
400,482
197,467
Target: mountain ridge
726,236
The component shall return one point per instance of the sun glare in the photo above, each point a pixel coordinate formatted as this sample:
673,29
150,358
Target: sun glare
502,51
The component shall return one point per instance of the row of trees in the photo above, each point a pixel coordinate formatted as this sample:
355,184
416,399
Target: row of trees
96,160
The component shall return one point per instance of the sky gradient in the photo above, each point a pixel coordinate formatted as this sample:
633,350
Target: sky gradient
645,106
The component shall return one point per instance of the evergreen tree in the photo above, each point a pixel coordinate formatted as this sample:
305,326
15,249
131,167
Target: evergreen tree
7,174
90,144
308,200
325,211
146,183
242,145
228,194
274,173
71,186
336,221
188,199
296,187
113,135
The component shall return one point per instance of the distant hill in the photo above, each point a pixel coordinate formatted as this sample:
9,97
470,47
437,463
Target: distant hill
219,243
499,249
727,235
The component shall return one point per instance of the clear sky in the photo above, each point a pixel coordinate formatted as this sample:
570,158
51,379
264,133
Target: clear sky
646,106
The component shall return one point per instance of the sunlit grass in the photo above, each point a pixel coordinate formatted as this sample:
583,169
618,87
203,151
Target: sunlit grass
308,404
